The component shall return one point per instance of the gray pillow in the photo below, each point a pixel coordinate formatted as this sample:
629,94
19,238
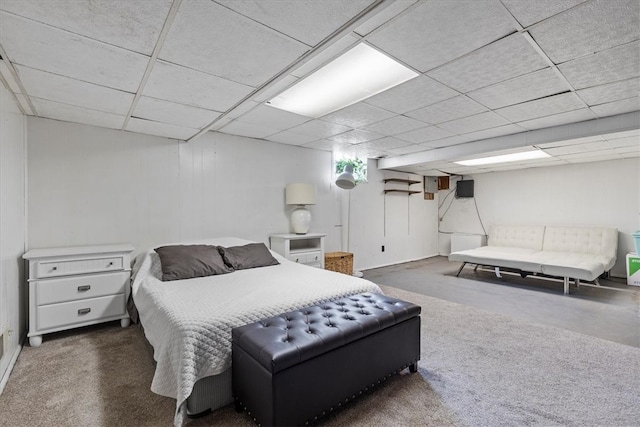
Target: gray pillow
247,256
189,261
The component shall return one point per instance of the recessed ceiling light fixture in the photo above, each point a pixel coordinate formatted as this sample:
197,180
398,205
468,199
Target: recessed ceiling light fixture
356,75
514,157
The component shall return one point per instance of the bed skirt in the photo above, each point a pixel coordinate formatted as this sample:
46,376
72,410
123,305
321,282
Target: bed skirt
210,393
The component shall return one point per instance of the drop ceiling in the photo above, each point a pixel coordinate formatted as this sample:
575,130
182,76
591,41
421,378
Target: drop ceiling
495,76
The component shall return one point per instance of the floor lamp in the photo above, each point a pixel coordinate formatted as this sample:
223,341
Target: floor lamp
346,181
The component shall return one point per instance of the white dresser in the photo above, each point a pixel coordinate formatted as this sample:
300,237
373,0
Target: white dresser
303,248
77,286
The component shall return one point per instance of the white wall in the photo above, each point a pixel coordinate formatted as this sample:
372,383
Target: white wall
13,291
89,185
405,224
586,194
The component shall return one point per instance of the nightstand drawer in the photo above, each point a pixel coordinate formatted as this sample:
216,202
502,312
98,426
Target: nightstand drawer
81,287
306,257
68,313
54,268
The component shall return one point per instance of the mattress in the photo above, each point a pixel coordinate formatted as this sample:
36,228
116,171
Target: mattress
189,322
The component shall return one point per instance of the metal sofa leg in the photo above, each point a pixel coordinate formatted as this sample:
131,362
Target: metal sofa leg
413,368
497,270
566,285
577,283
461,267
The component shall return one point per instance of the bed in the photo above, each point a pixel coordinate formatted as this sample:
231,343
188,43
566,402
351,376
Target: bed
188,322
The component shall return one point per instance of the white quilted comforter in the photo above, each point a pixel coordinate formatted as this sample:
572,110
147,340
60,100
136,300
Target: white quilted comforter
189,322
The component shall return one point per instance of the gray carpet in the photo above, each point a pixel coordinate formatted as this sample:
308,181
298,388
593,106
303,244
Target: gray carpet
477,368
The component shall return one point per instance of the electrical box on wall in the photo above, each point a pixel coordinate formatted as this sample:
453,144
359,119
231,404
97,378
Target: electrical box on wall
430,187
443,182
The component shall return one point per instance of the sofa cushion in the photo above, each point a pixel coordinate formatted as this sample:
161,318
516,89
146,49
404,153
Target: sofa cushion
566,264
517,236
600,241
499,256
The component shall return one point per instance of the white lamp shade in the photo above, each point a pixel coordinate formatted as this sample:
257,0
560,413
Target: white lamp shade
300,194
346,180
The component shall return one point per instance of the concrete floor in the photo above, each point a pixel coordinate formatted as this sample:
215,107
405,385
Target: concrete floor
610,314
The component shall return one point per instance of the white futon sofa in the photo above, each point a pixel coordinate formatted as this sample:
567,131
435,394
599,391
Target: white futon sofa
578,253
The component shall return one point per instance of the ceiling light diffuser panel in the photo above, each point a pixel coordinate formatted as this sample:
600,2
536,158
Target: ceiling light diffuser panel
356,75
514,157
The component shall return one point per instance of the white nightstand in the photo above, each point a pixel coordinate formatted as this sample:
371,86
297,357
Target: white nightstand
303,248
77,286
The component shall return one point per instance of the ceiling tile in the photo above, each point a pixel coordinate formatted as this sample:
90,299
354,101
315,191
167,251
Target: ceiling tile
190,87
444,111
416,93
623,134
329,53
242,108
530,12
558,119
520,89
578,148
390,11
159,129
617,107
326,145
591,156
631,141
308,22
248,129
133,25
386,144
319,129
610,92
46,48
394,125
358,115
494,132
592,27
618,63
505,59
485,120
447,142
629,151
355,137
275,88
575,141
409,149
444,29
158,110
286,137
75,114
265,115
75,92
211,38
425,134
542,107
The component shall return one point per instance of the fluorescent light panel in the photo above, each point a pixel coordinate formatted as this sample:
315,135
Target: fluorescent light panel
525,155
356,75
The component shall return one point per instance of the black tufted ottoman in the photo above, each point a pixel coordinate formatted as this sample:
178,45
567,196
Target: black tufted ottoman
296,367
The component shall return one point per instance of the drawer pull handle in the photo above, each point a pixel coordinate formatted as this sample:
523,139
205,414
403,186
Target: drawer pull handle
84,288
54,268
84,310
110,264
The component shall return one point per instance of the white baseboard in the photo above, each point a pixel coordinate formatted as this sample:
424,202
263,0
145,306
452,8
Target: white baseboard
14,357
396,263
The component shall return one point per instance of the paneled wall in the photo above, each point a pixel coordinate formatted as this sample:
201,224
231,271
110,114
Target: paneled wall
89,185
585,194
13,292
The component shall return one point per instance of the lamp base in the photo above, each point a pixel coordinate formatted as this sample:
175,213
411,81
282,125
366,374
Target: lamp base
300,220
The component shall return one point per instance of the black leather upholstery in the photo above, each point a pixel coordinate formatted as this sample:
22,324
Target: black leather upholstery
293,368
291,338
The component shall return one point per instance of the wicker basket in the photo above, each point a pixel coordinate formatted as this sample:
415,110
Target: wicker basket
342,262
